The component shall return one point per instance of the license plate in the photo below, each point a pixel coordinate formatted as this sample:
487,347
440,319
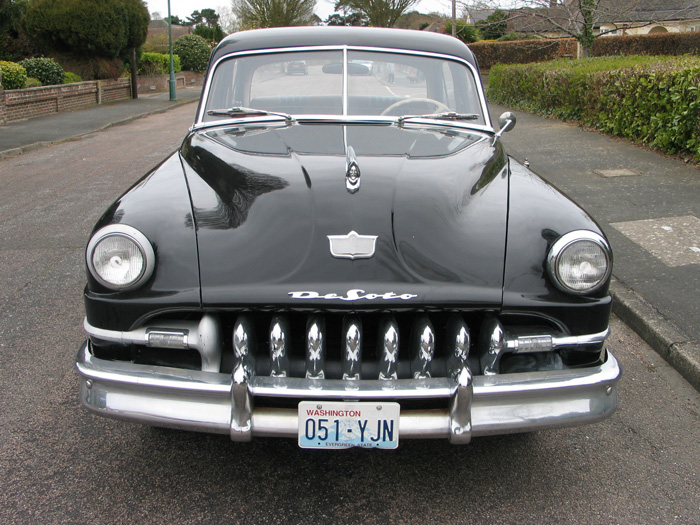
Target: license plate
343,425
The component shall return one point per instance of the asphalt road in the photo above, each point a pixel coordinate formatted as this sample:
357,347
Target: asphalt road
60,464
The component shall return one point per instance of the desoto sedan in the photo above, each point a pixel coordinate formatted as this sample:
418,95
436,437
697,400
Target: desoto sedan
347,258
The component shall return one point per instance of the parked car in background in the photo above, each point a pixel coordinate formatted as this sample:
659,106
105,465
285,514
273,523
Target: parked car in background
347,262
297,67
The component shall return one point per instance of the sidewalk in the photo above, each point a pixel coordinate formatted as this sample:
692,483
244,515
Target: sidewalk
648,205
20,137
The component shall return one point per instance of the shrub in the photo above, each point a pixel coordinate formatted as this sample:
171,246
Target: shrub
653,100
157,64
69,78
465,32
32,82
47,70
193,51
13,75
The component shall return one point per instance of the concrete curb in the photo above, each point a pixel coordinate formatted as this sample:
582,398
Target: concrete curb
676,348
14,152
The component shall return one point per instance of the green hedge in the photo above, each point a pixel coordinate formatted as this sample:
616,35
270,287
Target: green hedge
157,64
489,54
654,100
13,75
659,44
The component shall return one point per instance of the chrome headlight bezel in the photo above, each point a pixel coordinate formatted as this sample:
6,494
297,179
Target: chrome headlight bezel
138,239
557,254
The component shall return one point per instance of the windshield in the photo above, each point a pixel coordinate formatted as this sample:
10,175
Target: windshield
379,84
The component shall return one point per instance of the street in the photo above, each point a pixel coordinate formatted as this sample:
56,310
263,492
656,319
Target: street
61,464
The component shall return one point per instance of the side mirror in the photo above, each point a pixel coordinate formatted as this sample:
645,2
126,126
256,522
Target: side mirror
506,123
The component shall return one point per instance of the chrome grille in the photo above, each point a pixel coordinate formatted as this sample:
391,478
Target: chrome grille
350,346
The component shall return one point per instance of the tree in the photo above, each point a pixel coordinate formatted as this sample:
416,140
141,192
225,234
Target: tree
465,32
273,13
174,20
350,19
494,26
379,13
15,44
206,25
584,19
227,20
89,28
213,34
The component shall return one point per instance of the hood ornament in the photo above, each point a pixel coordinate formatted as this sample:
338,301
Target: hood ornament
352,246
352,171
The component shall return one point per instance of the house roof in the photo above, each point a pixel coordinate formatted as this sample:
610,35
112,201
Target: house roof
566,16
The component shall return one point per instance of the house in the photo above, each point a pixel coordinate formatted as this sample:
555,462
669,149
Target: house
157,38
612,17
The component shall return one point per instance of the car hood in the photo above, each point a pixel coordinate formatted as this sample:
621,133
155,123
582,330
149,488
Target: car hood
266,199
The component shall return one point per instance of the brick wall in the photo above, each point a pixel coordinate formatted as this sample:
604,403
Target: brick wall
114,90
159,83
3,113
22,104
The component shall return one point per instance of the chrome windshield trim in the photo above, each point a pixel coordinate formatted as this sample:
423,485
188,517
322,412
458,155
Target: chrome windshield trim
341,119
344,49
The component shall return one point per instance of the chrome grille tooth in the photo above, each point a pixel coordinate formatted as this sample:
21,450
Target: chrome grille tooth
492,344
457,341
422,347
388,348
315,347
352,348
279,346
244,345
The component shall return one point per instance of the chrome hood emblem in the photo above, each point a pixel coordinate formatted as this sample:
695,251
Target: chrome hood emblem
352,245
352,171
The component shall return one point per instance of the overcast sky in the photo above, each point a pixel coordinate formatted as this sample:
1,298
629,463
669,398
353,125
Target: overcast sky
184,8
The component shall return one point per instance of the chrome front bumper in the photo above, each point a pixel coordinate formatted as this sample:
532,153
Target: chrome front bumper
213,402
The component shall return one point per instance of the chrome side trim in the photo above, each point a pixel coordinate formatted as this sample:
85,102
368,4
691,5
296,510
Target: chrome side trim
495,342
204,336
211,402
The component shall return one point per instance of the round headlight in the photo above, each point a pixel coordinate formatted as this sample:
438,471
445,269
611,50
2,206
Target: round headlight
120,257
579,262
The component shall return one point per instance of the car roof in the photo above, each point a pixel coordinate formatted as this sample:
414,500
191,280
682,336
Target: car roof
312,36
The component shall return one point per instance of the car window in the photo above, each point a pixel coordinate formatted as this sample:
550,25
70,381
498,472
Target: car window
285,82
378,84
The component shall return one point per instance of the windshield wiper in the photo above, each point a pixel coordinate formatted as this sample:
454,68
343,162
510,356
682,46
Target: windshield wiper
240,111
445,115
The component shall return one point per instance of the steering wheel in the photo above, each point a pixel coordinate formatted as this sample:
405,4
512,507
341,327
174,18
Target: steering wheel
439,106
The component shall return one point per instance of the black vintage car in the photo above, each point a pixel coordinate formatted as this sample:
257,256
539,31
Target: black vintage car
347,258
